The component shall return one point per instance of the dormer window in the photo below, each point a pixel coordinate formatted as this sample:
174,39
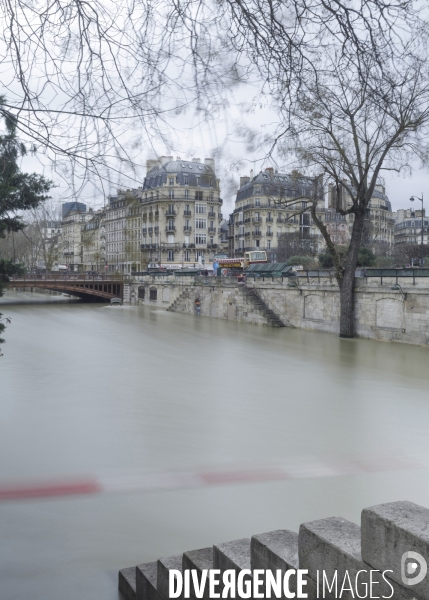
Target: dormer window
186,180
171,181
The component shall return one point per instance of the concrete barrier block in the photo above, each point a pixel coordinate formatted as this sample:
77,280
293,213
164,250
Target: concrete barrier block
198,560
275,550
279,550
163,568
127,583
232,555
332,547
146,582
389,531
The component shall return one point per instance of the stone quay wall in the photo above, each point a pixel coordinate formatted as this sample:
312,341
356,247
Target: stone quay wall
371,561
304,302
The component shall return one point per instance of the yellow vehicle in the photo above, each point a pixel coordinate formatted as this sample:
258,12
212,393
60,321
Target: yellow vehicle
255,257
250,258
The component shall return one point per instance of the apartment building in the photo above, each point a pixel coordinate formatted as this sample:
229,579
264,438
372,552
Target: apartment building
379,219
408,227
258,220
93,243
180,212
121,222
71,237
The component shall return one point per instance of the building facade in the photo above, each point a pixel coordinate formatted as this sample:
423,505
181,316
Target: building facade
71,238
93,243
379,220
258,220
408,227
122,221
180,212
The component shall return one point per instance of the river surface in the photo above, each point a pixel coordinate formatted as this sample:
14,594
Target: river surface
129,393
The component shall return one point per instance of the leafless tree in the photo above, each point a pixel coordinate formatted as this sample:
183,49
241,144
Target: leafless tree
296,244
406,254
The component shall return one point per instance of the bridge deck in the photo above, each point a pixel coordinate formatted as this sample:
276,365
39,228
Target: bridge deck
101,287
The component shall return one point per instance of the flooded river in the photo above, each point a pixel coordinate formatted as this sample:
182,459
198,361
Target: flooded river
131,396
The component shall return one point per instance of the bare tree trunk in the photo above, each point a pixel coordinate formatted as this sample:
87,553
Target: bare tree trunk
347,281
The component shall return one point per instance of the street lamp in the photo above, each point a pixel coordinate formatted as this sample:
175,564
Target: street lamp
421,200
397,288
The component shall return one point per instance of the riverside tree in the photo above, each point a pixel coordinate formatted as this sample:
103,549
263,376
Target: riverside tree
18,192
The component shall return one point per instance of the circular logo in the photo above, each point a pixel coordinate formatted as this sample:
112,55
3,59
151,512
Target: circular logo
414,568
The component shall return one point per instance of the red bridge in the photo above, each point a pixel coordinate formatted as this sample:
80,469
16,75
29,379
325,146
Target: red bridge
90,288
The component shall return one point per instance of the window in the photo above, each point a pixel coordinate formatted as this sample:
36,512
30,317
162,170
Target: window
257,202
153,294
211,182
185,180
269,229
170,255
198,195
200,208
171,181
187,224
199,254
141,293
257,243
200,223
170,224
171,193
186,194
170,209
200,238
268,244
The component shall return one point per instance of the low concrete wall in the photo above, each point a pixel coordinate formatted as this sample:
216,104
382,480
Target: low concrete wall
370,561
380,312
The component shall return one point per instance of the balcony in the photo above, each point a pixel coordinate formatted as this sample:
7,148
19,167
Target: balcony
211,230
269,220
171,213
144,230
187,213
256,234
270,234
239,222
170,228
247,234
156,230
150,216
279,220
187,229
256,219
247,220
156,214
150,230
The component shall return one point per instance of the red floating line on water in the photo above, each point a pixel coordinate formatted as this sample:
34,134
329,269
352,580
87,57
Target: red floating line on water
49,490
132,481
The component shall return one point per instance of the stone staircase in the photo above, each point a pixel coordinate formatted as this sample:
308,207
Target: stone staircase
335,548
173,306
272,317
